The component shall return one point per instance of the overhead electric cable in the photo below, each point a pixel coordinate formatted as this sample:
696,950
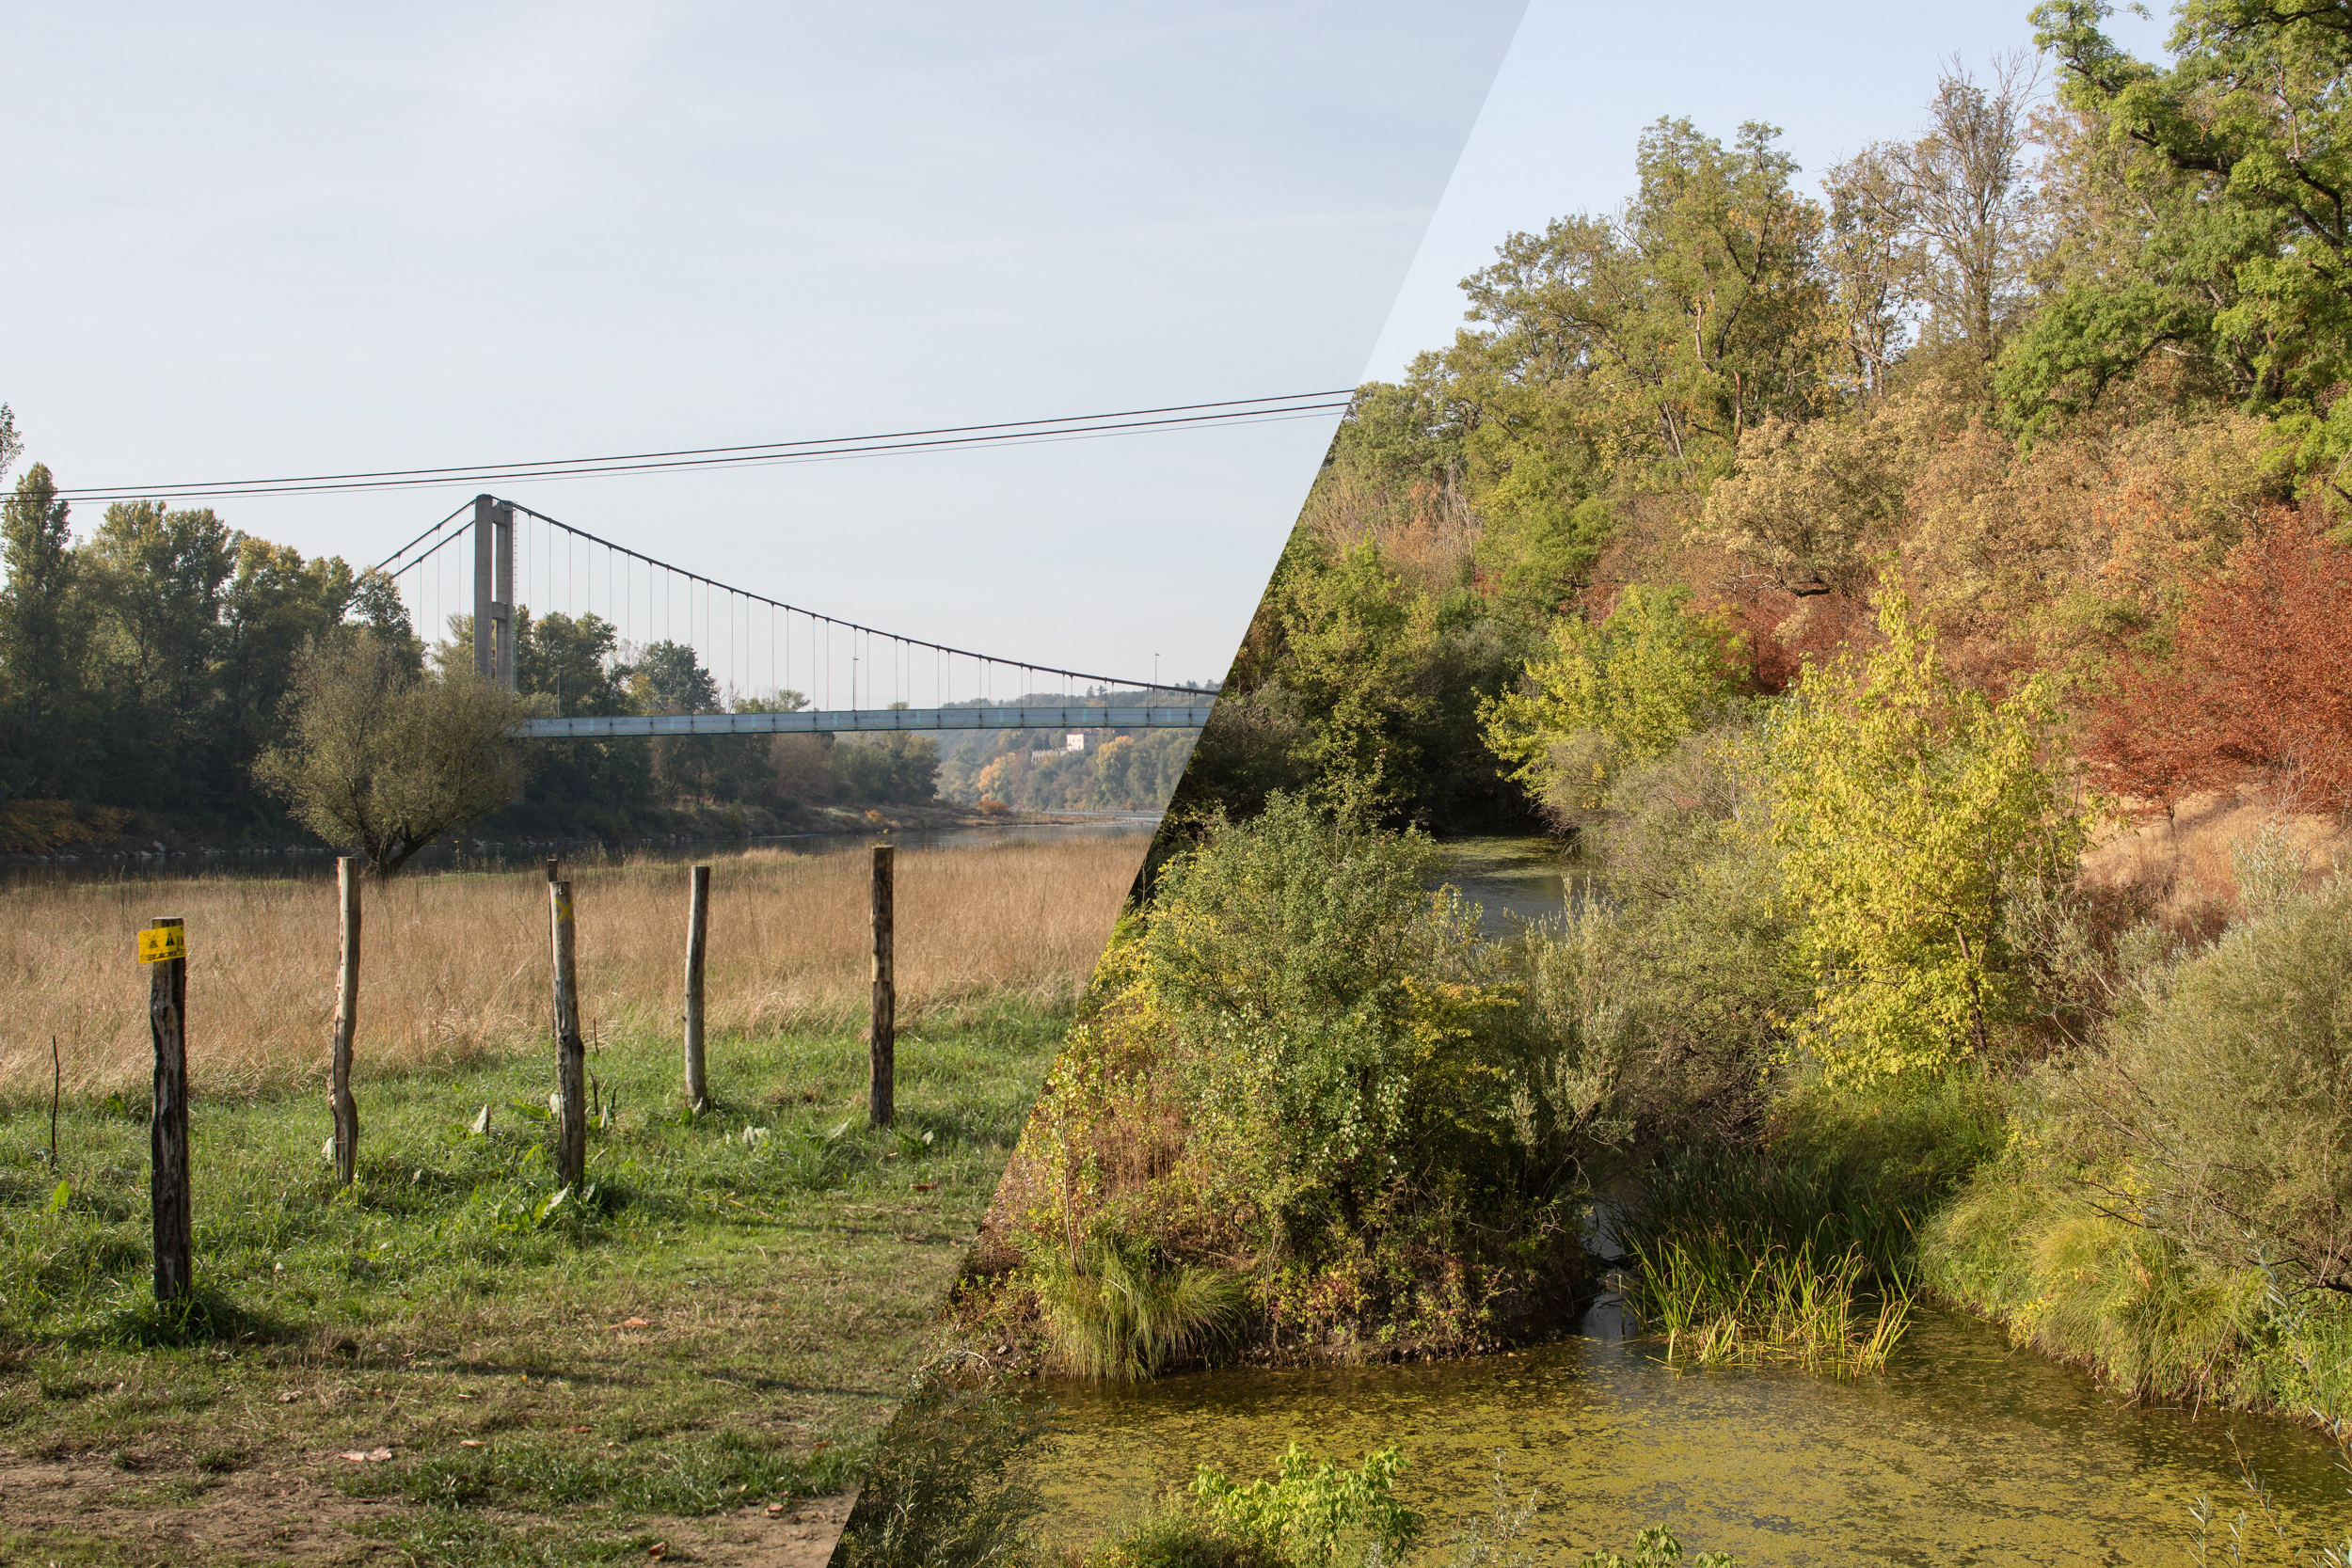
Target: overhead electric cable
1195,416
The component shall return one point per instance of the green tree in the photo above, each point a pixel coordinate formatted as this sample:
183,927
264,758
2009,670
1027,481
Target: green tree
158,577
1609,693
1697,312
2218,233
571,659
44,641
387,760
1906,809
272,607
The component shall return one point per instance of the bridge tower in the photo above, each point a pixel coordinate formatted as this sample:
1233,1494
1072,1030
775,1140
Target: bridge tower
494,590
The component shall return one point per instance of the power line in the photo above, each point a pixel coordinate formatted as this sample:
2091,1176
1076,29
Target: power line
1232,411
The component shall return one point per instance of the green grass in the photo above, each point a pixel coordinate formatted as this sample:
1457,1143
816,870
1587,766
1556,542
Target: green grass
784,1266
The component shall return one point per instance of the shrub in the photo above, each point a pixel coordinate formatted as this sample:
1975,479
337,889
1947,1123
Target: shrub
2220,1116
1609,694
1907,809
1325,1007
1314,1514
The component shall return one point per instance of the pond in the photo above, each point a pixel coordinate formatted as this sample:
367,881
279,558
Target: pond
1511,879
1964,1452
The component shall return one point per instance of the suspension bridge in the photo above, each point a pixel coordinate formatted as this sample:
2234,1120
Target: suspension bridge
773,667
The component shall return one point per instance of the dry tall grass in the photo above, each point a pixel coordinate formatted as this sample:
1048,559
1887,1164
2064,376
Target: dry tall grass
2189,861
456,967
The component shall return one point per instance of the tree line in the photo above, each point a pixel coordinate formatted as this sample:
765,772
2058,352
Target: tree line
2053,367
165,674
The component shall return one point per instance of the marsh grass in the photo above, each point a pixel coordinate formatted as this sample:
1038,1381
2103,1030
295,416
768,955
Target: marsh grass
1117,1311
1723,1297
725,1315
455,965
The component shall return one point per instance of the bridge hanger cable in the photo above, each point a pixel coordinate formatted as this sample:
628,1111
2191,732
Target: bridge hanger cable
851,626
1231,411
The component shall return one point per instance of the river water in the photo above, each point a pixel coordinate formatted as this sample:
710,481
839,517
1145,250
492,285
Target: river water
1964,1452
1511,879
319,865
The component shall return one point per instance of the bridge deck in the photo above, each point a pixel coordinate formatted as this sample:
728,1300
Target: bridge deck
848,721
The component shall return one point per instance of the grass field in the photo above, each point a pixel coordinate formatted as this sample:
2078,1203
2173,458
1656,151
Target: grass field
454,967
723,1324
695,1353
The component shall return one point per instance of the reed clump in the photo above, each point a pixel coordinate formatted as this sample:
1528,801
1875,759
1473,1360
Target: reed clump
1726,1296
455,965
1118,1312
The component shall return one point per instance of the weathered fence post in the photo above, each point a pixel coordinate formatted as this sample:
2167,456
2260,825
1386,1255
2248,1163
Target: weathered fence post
697,942
346,1023
164,948
571,1056
882,1037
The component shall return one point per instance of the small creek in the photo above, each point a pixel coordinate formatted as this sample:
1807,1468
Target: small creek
1511,879
1964,1450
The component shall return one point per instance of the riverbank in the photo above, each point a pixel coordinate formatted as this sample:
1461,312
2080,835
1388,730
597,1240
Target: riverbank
150,847
457,1362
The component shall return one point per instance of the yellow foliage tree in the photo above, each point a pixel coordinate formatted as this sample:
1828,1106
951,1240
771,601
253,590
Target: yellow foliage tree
1906,809
1610,693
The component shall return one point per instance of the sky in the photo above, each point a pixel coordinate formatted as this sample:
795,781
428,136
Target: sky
1581,82
285,239
264,239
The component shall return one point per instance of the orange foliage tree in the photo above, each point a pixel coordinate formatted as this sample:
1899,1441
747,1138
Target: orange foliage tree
2258,687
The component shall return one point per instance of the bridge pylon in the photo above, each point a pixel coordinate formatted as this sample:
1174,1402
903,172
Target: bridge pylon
494,590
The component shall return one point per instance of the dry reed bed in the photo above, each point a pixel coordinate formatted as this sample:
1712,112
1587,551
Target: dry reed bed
456,967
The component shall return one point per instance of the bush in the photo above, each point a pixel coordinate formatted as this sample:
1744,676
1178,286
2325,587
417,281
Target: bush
2220,1116
1325,1007
1316,1513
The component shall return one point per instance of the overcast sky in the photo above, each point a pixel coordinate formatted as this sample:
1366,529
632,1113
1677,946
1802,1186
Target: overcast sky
294,239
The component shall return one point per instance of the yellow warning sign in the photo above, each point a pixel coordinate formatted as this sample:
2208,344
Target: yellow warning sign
158,943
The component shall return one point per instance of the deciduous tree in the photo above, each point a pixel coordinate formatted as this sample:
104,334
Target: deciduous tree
1906,807
386,760
2256,688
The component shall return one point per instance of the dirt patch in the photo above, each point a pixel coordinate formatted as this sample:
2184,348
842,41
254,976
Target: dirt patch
84,1511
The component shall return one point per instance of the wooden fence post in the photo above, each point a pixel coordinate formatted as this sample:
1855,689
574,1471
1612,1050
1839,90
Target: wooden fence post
168,1122
571,1056
347,871
882,1088
697,943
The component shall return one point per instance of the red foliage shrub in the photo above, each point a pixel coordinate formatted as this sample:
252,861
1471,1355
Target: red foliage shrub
2259,685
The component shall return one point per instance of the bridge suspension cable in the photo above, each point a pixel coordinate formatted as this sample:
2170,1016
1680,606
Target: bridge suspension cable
712,649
